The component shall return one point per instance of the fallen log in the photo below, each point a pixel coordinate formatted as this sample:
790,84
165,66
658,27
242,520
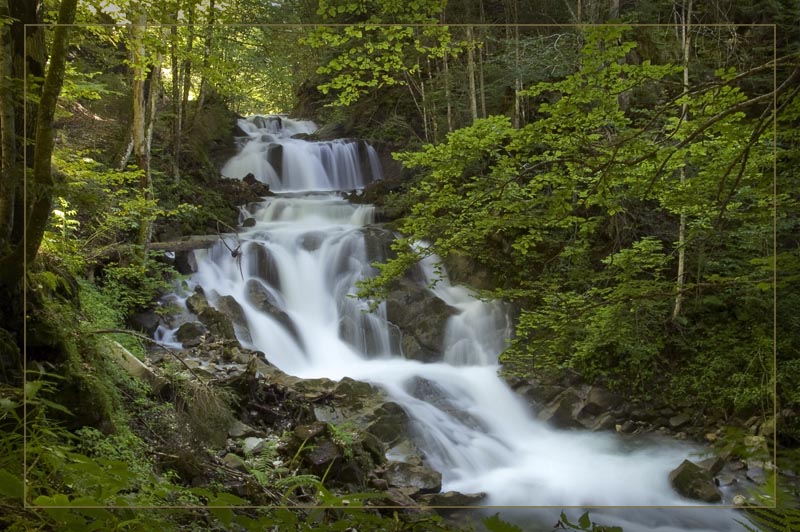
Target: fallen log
189,243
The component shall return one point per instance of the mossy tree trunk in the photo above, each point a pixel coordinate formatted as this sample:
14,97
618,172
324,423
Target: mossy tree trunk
27,138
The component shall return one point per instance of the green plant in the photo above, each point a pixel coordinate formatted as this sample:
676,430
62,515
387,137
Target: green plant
345,436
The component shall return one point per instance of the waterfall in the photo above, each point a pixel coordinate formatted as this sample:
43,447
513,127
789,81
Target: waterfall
294,281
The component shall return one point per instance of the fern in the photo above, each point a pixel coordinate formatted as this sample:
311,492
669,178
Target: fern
773,519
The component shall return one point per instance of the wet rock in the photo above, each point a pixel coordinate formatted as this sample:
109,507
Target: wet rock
324,452
462,269
312,240
540,393
190,334
146,322
378,243
726,480
253,445
241,430
452,498
235,462
263,265
307,432
233,310
713,465
331,131
430,392
261,298
679,421
367,408
217,323
360,331
561,411
421,318
692,481
185,262
605,421
197,302
249,222
628,427
398,497
756,474
424,479
275,159
271,123
599,400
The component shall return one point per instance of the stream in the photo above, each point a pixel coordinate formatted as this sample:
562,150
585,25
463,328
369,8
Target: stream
304,254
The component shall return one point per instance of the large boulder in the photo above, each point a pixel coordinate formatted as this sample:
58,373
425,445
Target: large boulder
197,302
424,479
275,159
452,498
218,324
146,322
561,411
378,242
191,334
694,482
421,318
262,264
233,310
464,270
261,298
185,262
599,400
366,407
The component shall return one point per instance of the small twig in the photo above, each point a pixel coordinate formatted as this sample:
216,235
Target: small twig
156,342
235,253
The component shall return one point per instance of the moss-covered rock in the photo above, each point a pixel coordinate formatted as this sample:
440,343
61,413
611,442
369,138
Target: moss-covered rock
692,481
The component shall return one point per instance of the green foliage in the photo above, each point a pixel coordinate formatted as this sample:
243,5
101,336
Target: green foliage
495,524
379,48
345,436
576,215
136,285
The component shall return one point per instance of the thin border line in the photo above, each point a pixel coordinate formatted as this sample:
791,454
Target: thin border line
310,25
25,504
775,262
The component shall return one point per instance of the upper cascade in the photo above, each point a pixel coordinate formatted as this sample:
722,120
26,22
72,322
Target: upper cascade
275,152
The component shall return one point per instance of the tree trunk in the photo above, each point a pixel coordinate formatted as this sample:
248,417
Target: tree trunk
187,67
424,108
517,79
473,102
434,116
41,191
176,101
446,74
481,51
201,97
9,177
139,122
686,43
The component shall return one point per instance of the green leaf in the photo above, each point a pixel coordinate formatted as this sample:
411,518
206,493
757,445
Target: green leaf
11,485
224,515
584,522
495,524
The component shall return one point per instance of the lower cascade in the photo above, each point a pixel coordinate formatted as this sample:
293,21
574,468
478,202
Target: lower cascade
294,275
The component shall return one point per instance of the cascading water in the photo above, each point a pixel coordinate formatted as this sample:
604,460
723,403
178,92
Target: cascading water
300,262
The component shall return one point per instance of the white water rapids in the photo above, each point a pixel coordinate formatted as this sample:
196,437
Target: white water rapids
305,253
